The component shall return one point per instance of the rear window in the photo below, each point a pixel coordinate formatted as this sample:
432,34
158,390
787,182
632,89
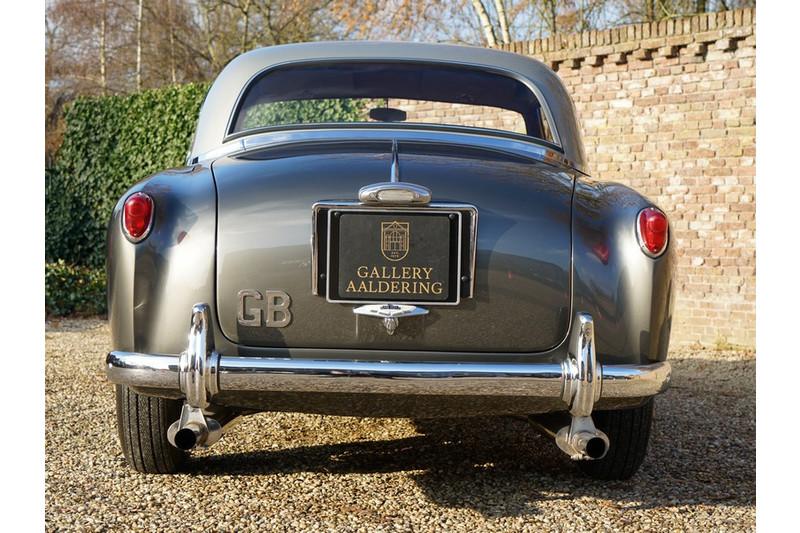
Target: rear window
390,93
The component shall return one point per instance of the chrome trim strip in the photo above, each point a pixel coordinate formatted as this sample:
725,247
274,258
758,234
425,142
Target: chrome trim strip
350,205
271,139
227,148
394,169
237,373
314,250
628,381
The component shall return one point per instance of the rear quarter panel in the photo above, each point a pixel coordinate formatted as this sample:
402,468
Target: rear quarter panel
629,295
153,285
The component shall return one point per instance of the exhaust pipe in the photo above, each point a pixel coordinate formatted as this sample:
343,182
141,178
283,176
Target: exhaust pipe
579,438
193,429
189,436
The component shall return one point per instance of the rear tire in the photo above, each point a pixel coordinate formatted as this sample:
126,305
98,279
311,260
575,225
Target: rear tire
142,422
628,432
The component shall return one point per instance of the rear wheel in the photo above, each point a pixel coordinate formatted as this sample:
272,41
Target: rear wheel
628,432
142,422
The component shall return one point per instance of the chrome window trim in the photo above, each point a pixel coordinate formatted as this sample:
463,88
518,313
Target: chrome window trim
543,104
257,141
352,205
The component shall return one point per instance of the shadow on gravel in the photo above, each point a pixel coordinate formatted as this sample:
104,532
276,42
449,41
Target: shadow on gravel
702,451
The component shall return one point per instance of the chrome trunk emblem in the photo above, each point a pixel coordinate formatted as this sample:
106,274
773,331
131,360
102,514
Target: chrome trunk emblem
390,313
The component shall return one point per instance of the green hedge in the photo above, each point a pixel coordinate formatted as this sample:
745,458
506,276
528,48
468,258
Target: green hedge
109,144
306,112
112,142
71,289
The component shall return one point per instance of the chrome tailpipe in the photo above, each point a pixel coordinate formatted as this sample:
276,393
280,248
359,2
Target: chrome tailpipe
199,382
581,440
193,429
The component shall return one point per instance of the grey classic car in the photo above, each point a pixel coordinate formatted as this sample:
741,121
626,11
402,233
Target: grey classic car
388,230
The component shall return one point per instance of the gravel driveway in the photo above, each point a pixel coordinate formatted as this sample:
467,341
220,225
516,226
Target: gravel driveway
310,472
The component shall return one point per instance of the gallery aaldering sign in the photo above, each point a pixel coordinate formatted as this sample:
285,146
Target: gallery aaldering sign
394,256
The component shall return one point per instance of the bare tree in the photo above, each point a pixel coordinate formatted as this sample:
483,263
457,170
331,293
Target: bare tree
502,17
505,21
103,79
654,10
549,12
171,22
118,46
139,47
422,20
486,22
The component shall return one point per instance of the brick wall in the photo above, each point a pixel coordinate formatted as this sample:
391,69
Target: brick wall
461,114
669,109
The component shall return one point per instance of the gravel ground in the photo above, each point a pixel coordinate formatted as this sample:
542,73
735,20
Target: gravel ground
309,472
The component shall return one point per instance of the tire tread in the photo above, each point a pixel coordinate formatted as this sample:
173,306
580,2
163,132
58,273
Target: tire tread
142,423
628,432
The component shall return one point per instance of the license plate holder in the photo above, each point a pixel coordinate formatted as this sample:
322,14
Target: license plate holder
410,256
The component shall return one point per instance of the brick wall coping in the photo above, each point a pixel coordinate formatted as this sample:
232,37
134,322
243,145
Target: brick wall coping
665,38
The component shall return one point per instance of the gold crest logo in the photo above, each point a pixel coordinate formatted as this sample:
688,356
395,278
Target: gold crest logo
394,240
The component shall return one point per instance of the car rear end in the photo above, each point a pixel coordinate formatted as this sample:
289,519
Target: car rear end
389,267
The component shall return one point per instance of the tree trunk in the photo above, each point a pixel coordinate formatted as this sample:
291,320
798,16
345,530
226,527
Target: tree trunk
501,15
171,42
650,10
209,37
246,17
103,80
552,17
139,47
486,24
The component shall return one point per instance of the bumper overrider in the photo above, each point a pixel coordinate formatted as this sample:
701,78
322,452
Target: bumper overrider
200,373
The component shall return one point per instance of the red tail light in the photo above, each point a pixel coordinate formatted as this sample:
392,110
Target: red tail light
653,231
137,216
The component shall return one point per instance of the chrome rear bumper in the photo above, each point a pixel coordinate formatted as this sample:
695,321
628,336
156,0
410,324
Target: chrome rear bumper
200,373
457,379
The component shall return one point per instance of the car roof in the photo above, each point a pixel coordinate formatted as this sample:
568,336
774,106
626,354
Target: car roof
224,94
